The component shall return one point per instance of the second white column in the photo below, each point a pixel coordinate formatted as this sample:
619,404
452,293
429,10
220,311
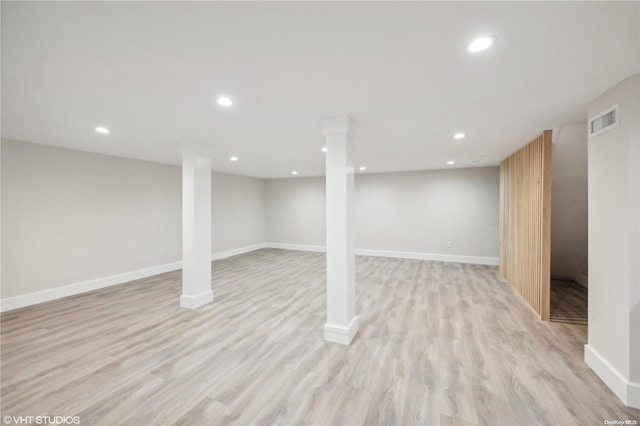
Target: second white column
342,322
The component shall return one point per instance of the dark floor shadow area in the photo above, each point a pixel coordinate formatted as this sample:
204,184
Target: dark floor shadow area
569,302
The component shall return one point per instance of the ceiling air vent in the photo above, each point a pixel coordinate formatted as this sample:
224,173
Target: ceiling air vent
604,121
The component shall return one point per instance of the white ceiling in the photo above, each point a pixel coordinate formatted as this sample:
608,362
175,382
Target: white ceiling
151,72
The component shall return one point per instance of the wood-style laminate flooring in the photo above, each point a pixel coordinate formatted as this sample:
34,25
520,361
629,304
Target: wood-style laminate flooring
439,343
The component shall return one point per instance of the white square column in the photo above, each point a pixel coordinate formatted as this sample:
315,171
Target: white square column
196,225
342,322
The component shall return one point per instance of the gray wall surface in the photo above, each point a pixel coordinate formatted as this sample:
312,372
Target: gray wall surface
238,212
409,211
614,232
71,216
296,211
569,207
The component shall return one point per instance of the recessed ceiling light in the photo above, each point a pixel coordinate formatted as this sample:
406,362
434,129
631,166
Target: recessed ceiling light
233,159
324,149
451,162
481,43
294,173
363,168
459,135
224,101
103,130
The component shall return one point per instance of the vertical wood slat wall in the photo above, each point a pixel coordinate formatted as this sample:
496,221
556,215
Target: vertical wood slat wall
525,222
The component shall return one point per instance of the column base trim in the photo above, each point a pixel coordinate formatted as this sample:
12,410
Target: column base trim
627,391
340,334
193,302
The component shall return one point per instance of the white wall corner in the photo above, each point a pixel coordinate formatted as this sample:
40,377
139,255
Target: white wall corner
628,392
339,334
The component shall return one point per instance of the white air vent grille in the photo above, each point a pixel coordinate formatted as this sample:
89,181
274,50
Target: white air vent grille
604,121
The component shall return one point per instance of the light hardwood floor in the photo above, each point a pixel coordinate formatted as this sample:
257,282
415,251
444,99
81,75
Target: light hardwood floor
439,343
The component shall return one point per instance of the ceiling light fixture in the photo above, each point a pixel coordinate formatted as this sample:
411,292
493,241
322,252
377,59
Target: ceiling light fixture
324,149
363,168
103,130
458,136
233,159
225,101
451,163
481,43
294,173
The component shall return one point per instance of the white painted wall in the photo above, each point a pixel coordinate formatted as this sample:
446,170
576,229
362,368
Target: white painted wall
423,211
569,228
69,217
296,211
417,212
238,211
613,350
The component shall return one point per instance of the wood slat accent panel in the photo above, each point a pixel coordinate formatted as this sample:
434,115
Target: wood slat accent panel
525,222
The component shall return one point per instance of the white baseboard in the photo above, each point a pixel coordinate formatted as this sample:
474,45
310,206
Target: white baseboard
628,392
234,252
193,302
339,334
298,247
477,260
10,303
633,395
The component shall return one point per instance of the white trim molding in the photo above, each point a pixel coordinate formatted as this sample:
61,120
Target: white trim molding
627,391
476,260
339,334
234,252
297,247
10,303
23,300
193,302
